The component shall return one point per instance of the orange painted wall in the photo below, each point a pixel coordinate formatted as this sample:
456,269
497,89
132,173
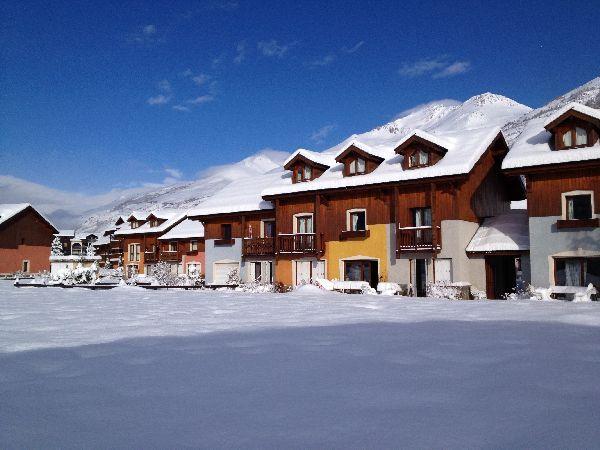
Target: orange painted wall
25,237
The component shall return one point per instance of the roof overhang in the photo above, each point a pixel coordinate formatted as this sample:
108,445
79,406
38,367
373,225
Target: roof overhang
573,111
355,149
302,158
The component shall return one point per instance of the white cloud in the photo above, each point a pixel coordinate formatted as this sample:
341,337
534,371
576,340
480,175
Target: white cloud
201,99
354,48
181,108
273,48
240,52
321,134
186,73
173,175
438,67
159,100
64,208
149,30
164,85
200,79
326,60
456,68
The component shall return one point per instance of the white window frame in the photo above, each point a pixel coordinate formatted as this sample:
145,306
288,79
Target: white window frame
133,253
298,215
170,247
349,220
564,196
26,261
364,165
262,226
193,263
192,242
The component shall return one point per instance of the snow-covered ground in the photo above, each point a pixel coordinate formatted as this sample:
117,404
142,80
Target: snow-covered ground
145,369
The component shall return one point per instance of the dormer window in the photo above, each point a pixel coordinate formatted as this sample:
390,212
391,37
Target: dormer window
154,223
134,224
357,166
303,173
575,126
574,137
419,158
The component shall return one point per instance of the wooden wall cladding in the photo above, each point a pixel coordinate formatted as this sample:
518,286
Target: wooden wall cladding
544,190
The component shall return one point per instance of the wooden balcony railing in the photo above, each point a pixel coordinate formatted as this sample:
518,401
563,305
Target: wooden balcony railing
150,256
170,255
301,243
258,246
426,238
116,251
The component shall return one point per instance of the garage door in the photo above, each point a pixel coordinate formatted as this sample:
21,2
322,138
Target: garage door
221,272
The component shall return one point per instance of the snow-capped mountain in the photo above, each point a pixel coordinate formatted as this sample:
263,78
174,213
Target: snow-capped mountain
184,195
441,116
483,110
587,94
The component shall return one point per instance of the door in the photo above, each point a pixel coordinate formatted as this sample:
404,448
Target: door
302,272
422,218
222,272
501,276
319,270
421,277
443,270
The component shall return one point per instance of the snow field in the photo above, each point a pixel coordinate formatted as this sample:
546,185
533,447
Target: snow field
145,369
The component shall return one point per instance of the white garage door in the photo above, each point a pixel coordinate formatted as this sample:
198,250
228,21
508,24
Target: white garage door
221,272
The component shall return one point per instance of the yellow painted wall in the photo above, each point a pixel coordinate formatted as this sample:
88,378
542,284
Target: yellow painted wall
375,246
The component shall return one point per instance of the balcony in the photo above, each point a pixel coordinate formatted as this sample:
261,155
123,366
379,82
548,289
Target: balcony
116,251
150,256
425,238
301,243
354,234
258,246
170,255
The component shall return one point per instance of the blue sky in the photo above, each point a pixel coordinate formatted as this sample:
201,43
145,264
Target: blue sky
97,95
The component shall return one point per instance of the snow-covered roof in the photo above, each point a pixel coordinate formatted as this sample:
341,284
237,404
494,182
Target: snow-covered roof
243,195
506,232
83,236
532,147
465,147
137,215
436,140
165,214
102,240
9,210
147,229
323,159
573,106
381,153
65,233
185,230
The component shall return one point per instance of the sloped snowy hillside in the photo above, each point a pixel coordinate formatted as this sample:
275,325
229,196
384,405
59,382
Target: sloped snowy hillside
587,94
187,194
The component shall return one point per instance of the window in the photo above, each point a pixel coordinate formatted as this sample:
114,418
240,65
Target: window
303,173
135,224
579,207
422,217
154,223
577,271
172,246
357,166
580,136
307,172
226,231
418,158
304,224
25,266
193,246
358,220
268,228
134,252
566,139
